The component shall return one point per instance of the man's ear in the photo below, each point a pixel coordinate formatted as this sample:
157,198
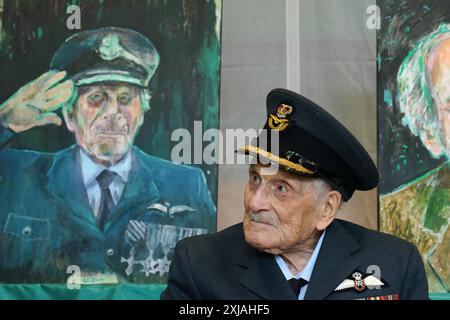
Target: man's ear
68,118
329,208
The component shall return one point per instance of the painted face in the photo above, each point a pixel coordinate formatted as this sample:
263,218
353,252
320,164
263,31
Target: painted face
105,120
439,70
281,211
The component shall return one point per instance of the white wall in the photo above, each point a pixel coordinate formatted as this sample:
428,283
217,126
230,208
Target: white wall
331,60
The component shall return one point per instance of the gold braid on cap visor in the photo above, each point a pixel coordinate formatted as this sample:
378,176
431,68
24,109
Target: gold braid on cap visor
284,162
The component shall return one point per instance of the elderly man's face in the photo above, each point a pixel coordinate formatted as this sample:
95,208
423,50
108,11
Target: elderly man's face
439,70
105,120
281,211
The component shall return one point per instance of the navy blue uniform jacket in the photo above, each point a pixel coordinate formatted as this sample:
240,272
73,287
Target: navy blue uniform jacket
224,266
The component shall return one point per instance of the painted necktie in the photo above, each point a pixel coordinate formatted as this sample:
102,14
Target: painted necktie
104,180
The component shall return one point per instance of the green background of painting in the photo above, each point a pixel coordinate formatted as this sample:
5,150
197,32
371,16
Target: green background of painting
184,89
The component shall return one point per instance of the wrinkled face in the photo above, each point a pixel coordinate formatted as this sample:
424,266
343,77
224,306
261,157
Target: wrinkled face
105,120
281,211
439,68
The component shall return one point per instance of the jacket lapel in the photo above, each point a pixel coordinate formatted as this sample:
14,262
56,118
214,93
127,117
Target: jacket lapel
262,276
140,191
64,182
335,262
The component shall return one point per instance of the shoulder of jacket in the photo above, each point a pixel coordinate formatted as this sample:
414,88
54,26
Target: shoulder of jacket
222,242
373,238
166,165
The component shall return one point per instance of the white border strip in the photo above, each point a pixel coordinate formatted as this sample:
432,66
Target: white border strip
293,45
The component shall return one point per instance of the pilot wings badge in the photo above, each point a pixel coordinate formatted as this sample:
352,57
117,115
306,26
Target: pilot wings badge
358,283
172,211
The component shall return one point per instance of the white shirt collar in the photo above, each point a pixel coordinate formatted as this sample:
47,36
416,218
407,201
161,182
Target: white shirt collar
307,271
91,169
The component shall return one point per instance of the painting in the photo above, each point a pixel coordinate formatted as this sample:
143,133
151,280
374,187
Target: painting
91,203
414,130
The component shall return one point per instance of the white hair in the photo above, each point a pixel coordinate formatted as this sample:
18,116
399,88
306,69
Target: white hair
414,96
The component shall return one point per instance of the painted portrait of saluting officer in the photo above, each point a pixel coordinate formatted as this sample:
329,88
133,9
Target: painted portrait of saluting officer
103,202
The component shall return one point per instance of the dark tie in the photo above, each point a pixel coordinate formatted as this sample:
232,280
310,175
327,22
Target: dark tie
104,179
297,284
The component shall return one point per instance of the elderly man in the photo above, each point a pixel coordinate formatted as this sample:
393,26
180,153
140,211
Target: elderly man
290,246
102,205
419,211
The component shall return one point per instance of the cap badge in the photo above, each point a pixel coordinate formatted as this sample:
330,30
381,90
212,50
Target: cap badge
280,121
110,48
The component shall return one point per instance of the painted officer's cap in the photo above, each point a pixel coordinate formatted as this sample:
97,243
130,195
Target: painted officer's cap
107,55
312,143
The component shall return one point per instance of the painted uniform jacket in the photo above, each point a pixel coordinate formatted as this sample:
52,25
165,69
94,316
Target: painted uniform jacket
224,266
47,225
